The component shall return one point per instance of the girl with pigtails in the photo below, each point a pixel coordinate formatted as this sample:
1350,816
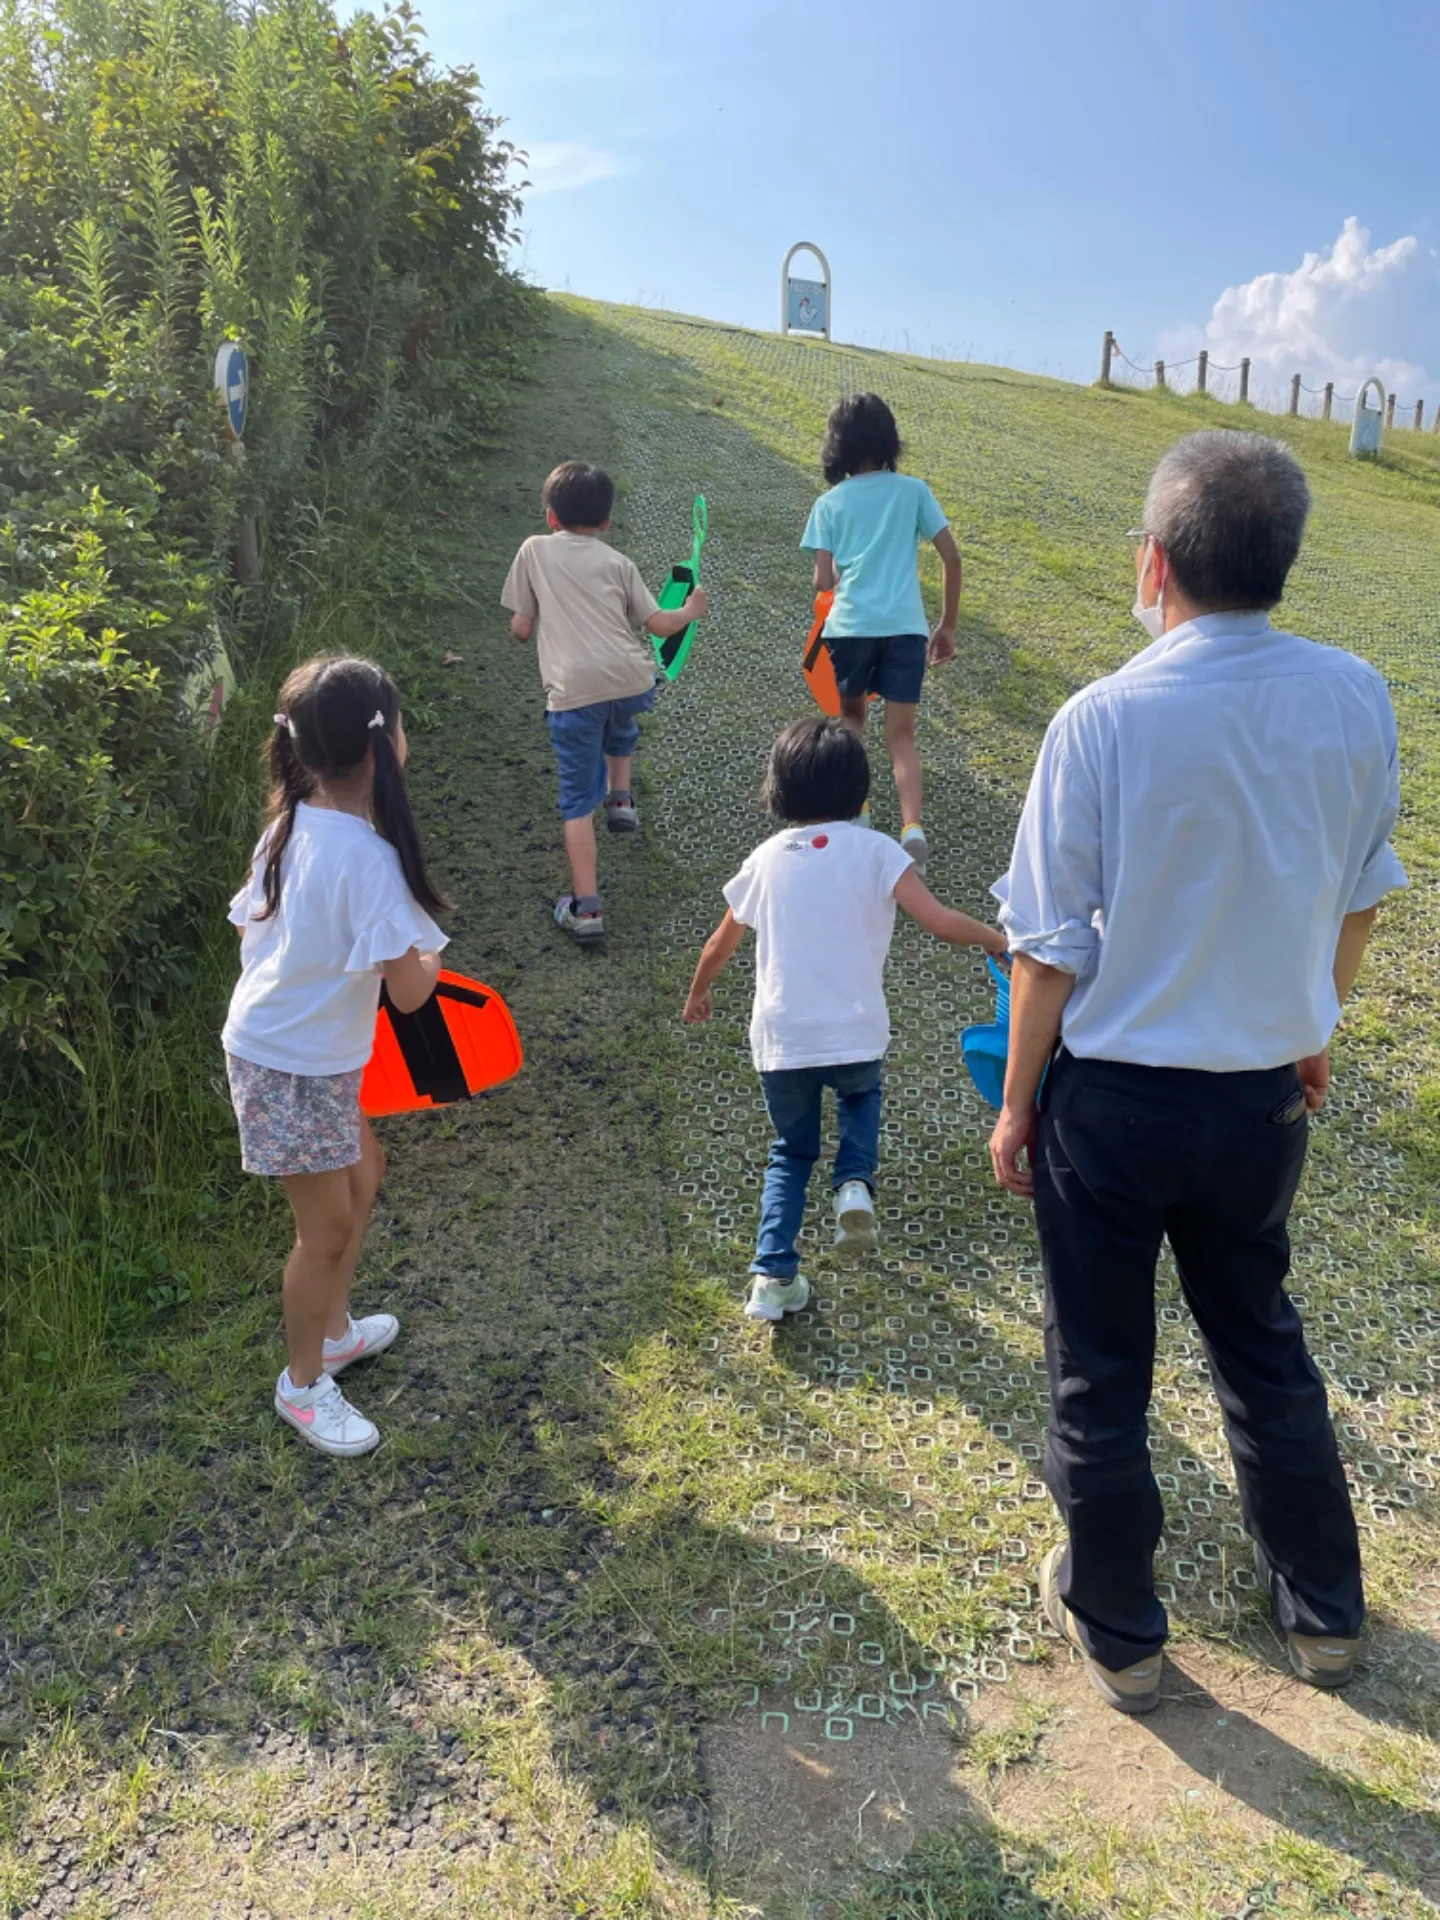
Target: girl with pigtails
337,899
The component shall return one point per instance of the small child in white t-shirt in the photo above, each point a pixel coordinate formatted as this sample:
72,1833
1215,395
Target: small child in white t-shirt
335,901
821,896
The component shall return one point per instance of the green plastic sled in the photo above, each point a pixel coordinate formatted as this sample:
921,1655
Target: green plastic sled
671,654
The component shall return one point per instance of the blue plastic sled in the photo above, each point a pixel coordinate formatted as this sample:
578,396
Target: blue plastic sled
986,1049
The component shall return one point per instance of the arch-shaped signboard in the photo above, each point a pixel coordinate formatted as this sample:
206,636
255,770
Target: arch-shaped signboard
1369,426
805,304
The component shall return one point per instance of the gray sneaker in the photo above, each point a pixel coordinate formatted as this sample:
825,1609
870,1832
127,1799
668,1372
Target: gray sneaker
913,842
581,917
772,1299
621,813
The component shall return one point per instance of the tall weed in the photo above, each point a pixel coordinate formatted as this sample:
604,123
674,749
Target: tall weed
175,173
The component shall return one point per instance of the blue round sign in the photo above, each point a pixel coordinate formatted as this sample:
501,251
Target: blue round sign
232,383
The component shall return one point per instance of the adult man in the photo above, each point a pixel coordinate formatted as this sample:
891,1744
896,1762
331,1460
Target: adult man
1199,862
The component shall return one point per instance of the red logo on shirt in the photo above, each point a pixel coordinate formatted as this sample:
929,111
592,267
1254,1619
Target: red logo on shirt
821,840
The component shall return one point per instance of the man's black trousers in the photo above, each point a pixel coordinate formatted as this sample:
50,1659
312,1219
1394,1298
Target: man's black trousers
1126,1157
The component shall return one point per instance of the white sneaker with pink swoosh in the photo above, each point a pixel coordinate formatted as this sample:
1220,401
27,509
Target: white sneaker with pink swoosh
362,1339
324,1417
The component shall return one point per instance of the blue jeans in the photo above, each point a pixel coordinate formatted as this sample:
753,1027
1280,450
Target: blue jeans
792,1100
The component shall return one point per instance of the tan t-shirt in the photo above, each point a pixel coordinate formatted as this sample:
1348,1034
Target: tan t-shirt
589,599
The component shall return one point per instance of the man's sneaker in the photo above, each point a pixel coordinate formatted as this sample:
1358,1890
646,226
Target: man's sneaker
581,917
363,1339
914,843
322,1415
1131,1690
1319,1659
855,1218
772,1299
621,814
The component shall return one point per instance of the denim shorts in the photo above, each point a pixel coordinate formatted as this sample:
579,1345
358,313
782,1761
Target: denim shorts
582,738
892,666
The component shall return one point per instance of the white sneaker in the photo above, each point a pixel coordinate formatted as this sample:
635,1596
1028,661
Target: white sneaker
913,842
772,1299
363,1338
322,1415
855,1218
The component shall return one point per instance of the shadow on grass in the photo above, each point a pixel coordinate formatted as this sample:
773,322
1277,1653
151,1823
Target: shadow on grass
1383,1823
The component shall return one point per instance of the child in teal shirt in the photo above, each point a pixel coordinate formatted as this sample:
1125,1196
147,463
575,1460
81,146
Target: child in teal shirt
864,534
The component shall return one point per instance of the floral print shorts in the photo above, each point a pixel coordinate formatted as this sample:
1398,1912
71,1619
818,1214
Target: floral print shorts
295,1122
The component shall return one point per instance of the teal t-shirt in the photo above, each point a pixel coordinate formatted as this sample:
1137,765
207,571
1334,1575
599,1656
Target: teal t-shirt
872,523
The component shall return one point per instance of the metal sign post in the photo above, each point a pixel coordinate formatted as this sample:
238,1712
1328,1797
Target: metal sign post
805,304
232,384
1369,428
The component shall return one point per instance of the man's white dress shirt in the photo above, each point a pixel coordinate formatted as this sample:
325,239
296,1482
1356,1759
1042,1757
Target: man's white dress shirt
1197,827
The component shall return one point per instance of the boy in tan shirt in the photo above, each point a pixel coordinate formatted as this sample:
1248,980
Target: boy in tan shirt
599,675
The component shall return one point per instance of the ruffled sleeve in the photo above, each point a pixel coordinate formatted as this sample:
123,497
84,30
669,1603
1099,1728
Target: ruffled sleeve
249,899
385,918
391,933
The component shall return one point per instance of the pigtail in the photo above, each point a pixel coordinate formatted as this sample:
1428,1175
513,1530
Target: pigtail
390,810
290,783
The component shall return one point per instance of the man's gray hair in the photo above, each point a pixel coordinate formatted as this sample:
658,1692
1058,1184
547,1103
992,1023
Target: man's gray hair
1229,509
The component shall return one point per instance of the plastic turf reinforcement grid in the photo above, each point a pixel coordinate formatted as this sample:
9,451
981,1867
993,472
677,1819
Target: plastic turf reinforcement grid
893,1432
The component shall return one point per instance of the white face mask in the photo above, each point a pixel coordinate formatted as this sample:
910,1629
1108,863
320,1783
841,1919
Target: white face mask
1152,619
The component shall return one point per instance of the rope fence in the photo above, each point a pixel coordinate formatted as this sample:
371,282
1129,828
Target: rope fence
1220,383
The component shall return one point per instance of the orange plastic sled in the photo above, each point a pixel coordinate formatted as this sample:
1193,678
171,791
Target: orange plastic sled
816,664
460,1042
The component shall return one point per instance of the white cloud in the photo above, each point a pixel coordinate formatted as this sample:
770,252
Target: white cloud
562,166
1344,313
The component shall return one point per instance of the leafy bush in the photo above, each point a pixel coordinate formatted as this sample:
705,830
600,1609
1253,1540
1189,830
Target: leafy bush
174,173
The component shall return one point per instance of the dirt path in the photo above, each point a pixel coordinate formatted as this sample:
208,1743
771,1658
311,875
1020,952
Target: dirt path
639,1610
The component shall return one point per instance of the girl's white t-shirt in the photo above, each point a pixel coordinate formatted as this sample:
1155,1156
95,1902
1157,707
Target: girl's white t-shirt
309,987
822,903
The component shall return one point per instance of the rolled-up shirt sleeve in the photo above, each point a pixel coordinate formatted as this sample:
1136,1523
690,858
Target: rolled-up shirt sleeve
1051,899
1382,872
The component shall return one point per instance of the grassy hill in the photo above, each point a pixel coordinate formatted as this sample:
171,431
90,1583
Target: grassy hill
639,1610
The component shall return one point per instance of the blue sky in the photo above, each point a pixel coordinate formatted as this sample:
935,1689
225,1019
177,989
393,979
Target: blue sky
999,182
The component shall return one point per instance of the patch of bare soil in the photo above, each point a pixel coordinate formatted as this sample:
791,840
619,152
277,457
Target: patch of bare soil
789,1809
1230,1738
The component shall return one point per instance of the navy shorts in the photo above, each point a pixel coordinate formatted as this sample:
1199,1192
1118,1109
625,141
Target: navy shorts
582,737
892,666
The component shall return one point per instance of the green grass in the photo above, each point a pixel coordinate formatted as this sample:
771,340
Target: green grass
608,1511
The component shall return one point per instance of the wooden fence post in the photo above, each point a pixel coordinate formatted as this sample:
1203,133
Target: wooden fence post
1295,393
1244,380
1329,399
1159,373
1202,370
1419,415
1390,410
1106,355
